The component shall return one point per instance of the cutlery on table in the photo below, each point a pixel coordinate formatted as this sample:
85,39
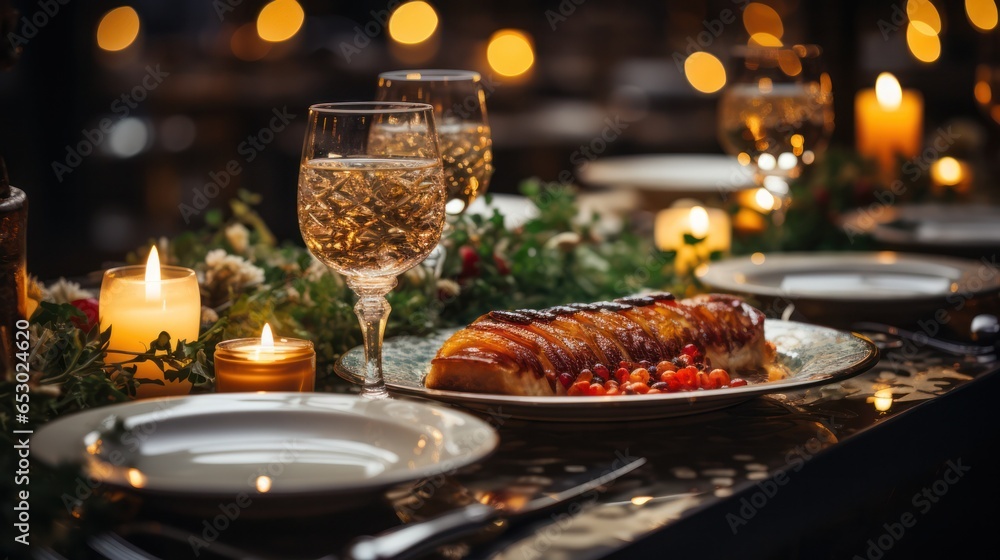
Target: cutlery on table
406,541
414,539
984,329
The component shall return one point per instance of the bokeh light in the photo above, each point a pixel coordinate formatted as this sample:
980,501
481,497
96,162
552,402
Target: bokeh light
947,171
510,52
764,40
923,47
761,18
118,29
924,17
412,23
982,14
280,20
705,72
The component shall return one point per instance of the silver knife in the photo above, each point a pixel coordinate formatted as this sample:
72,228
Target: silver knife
414,539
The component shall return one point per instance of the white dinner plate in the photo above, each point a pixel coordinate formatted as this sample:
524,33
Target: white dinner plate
813,355
293,453
937,226
851,276
840,289
674,173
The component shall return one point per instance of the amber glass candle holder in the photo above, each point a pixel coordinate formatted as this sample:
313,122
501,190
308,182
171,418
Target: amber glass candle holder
243,364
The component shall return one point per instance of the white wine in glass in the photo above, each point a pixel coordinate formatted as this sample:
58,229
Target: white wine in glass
371,210
776,114
466,144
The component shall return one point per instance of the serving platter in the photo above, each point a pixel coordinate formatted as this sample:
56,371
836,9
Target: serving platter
813,355
267,453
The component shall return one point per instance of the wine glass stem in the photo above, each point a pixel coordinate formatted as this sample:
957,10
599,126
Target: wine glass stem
373,310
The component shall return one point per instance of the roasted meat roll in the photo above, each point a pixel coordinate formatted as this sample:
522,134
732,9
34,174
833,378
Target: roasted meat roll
523,352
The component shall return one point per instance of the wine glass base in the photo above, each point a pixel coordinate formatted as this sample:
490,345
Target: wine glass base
375,393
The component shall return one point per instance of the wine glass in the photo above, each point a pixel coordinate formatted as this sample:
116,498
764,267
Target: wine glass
371,203
459,101
776,114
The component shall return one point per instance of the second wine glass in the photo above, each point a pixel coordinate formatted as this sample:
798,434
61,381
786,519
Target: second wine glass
371,210
459,102
776,114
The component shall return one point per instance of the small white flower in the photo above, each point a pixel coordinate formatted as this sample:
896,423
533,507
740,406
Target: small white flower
231,269
238,237
448,288
316,270
64,291
208,315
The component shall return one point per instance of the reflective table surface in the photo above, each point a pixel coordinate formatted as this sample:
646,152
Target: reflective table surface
828,470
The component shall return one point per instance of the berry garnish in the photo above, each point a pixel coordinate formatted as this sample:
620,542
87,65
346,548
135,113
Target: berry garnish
566,379
601,370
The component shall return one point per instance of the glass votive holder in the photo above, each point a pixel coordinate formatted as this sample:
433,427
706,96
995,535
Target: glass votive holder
244,364
138,310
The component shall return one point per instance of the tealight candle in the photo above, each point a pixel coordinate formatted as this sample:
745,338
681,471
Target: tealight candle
140,302
711,225
265,364
888,122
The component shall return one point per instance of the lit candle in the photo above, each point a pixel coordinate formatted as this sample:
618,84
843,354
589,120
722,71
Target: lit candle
888,123
710,225
140,302
265,364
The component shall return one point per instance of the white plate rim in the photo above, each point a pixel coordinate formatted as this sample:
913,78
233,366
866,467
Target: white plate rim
592,173
55,443
721,275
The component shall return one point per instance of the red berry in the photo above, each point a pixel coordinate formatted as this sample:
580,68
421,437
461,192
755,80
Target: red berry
566,379
585,375
705,381
673,385
597,389
691,350
639,375
640,388
720,377
688,378
470,261
622,375
579,388
665,366
601,370
737,382
90,308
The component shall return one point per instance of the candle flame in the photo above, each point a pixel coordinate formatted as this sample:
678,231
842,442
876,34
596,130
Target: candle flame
887,92
698,219
153,275
266,338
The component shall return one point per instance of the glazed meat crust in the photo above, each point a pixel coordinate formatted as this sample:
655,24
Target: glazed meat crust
522,352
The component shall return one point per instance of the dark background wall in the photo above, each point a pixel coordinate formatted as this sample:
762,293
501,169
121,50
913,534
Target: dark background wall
606,58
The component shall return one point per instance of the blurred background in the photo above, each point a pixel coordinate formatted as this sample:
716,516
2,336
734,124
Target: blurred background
116,114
